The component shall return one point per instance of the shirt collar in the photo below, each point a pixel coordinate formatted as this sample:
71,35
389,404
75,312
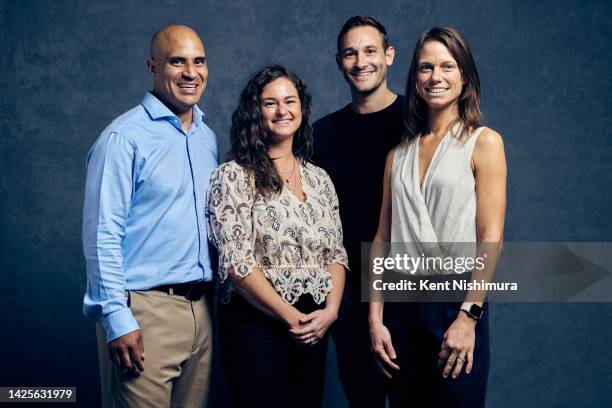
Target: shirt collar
198,115
157,110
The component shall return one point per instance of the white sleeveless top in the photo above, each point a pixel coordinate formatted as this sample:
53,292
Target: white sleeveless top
444,211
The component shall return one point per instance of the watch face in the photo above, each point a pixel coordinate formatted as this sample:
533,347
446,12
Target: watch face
476,311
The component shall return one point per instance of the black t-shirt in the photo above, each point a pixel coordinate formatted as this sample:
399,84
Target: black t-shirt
352,148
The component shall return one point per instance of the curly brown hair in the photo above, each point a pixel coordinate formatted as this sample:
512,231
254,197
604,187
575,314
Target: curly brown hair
249,138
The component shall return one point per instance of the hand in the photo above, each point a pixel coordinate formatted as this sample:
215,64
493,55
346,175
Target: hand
458,346
294,323
127,351
313,326
382,347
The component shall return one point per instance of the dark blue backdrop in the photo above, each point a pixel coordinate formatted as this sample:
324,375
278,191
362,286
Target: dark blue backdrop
68,68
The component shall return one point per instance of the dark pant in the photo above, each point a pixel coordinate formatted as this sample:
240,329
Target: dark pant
417,330
263,365
362,381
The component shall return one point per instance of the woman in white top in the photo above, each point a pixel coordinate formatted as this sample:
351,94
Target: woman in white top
274,219
445,183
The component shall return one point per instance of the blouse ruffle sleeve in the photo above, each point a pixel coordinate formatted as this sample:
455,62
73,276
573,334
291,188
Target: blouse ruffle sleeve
337,252
230,220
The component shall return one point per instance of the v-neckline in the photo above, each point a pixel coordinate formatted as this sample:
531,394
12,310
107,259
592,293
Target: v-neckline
421,180
301,184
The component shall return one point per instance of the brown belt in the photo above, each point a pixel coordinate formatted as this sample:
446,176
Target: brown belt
191,291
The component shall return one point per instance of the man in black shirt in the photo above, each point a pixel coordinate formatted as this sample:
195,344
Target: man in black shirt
351,145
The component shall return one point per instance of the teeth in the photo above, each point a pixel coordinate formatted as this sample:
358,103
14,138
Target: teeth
188,86
363,73
436,90
282,121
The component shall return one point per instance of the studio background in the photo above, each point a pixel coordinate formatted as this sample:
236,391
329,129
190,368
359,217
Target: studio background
69,68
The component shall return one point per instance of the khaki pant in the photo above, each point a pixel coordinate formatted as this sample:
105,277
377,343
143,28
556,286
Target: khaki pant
177,338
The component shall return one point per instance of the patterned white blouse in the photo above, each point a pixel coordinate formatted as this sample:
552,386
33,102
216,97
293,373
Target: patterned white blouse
290,241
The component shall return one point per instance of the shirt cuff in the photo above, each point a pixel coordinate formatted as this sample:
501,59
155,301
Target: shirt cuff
118,323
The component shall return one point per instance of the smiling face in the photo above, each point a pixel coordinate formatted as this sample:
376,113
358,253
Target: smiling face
363,59
178,66
281,109
438,79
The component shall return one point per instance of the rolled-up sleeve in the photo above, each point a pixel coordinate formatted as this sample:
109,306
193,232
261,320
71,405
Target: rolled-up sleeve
230,219
108,195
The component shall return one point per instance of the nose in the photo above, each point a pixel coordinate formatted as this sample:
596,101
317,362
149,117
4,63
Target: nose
281,110
361,60
435,74
189,71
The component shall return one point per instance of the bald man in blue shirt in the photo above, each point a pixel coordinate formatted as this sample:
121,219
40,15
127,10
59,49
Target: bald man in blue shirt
144,233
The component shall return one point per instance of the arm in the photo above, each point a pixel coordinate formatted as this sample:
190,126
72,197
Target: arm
256,289
108,195
489,164
382,345
336,260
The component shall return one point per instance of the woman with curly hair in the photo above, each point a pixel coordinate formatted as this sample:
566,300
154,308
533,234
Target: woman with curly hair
274,219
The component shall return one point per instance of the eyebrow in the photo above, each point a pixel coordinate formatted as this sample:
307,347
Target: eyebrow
443,62
182,58
272,98
355,49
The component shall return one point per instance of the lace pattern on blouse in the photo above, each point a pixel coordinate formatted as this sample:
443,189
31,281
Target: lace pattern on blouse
289,240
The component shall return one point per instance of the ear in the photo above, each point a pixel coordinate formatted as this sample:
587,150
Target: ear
151,67
390,55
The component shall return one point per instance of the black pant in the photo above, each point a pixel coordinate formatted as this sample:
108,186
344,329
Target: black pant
362,381
263,365
417,330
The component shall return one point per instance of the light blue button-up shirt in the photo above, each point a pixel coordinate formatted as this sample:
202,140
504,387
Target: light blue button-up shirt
143,220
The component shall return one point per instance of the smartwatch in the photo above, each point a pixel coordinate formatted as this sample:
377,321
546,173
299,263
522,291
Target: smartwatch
472,310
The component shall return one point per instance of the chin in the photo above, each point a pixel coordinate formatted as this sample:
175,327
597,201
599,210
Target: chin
282,136
366,87
438,104
190,101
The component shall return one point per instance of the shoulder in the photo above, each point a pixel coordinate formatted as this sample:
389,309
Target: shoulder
316,170
230,180
128,123
330,121
230,171
398,104
318,175
488,149
489,140
123,132
119,135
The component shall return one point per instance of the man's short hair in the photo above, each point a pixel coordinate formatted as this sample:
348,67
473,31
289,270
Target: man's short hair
359,21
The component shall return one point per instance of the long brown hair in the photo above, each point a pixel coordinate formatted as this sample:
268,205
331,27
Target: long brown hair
249,139
415,108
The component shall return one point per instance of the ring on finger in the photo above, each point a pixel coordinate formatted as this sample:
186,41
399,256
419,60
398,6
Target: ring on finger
460,360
